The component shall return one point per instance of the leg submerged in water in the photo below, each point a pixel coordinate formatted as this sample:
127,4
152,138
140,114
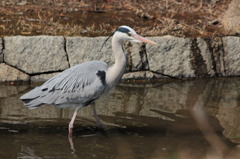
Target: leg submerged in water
70,126
99,124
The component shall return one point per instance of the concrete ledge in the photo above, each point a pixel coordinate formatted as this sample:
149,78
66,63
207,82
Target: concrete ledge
37,58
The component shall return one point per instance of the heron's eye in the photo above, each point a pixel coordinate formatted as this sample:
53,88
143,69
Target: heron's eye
129,34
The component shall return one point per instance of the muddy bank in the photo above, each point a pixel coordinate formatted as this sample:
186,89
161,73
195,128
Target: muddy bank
37,58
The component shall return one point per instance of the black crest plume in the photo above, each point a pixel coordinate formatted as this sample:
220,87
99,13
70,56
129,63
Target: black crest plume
107,39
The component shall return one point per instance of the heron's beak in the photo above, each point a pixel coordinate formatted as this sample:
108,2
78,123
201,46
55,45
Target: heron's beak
140,38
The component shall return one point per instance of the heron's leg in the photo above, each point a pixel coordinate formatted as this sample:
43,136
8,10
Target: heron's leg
99,124
70,126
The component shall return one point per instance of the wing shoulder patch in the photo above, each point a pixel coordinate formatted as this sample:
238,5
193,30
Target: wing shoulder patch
102,76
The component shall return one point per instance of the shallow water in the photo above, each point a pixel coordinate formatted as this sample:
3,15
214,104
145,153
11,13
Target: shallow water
167,119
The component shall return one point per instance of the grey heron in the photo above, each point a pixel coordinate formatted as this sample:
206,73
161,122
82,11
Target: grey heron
82,84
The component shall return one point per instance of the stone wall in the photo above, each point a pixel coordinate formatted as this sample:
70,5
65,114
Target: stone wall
38,58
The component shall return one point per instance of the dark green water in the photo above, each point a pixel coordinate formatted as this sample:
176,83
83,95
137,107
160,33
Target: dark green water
166,120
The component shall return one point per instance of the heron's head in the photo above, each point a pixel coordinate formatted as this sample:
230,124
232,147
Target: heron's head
128,34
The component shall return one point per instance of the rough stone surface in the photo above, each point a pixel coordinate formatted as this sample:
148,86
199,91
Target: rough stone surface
36,54
170,57
44,56
1,50
82,49
232,55
213,55
206,56
231,18
142,75
42,77
137,57
8,73
202,58
1,57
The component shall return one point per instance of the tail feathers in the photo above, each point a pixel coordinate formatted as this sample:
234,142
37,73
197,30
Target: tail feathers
32,94
39,96
31,99
32,103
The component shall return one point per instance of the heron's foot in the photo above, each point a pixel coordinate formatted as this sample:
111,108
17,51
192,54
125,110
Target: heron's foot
99,124
102,130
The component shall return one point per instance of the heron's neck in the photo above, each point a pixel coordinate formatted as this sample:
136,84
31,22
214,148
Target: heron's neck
115,72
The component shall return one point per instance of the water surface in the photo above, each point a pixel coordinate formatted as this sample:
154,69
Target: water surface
165,119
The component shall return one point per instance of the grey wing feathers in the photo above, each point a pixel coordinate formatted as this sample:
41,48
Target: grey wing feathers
76,85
